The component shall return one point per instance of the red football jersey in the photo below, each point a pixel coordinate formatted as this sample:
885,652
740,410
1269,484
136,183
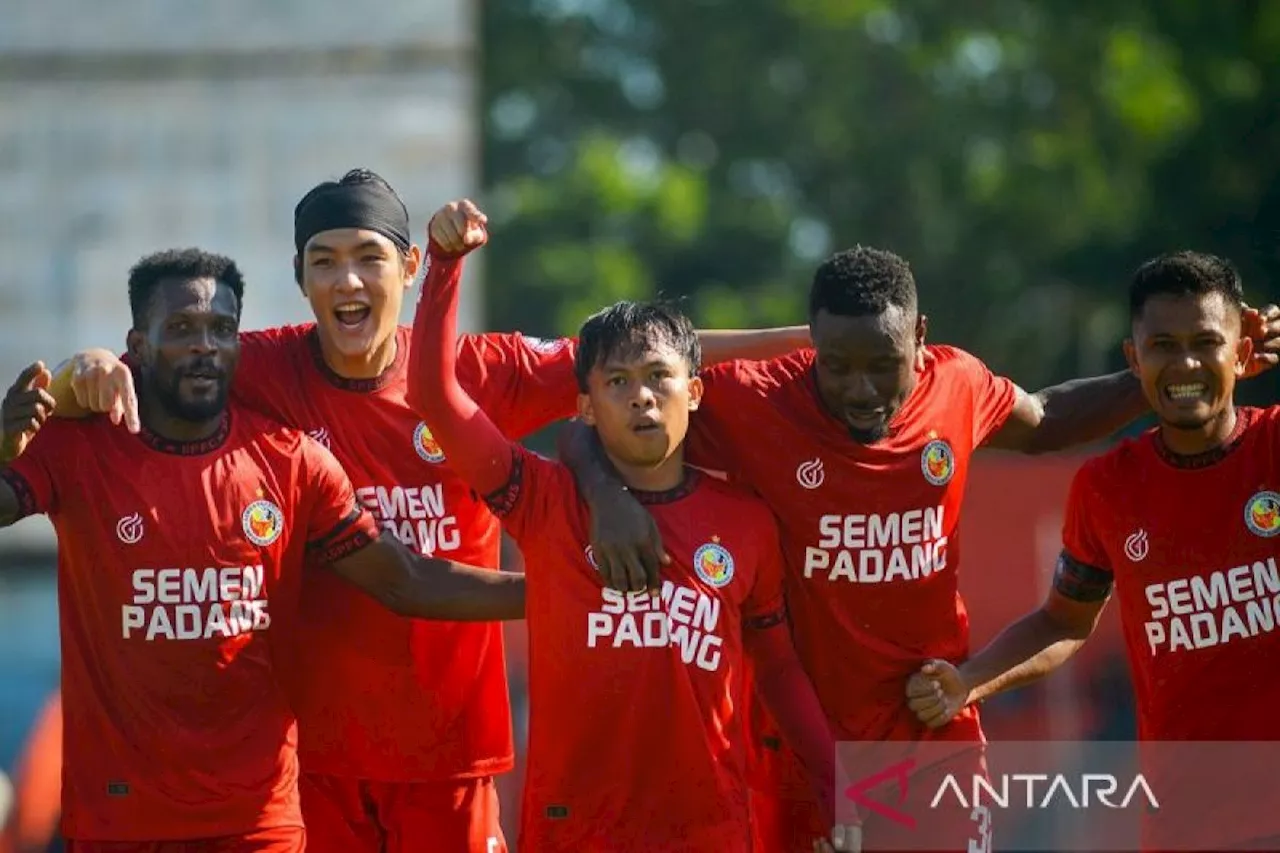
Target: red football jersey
1194,551
635,734
869,532
178,567
379,696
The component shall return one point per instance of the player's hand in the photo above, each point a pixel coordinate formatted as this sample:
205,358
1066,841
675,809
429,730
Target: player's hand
1263,325
456,229
626,544
845,838
102,382
937,693
26,407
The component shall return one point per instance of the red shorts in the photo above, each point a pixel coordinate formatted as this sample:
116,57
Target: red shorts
789,825
285,839
354,816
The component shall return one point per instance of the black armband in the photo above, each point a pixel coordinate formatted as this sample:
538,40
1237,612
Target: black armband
1081,582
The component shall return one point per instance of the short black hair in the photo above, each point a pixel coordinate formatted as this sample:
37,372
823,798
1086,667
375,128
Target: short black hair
1184,273
862,281
629,327
179,265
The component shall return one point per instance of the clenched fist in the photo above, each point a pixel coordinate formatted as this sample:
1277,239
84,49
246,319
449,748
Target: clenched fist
456,229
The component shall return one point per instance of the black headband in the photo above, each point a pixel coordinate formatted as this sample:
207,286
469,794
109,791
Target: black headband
366,205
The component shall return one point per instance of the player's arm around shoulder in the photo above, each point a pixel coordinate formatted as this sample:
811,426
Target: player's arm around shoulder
343,536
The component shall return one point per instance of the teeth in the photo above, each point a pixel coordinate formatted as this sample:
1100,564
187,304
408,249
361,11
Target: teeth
350,309
1186,391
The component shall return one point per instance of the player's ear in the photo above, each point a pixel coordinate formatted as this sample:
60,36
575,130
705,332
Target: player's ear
1131,357
922,328
585,412
412,262
136,344
1244,354
297,274
695,393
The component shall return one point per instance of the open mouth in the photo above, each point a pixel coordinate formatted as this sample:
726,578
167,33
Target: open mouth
863,418
352,314
646,427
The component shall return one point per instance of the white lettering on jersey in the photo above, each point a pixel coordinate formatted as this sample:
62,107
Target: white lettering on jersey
876,548
195,604
1205,611
684,618
416,516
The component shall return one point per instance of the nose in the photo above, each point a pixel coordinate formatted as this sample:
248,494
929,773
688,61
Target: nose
859,390
350,281
204,342
643,398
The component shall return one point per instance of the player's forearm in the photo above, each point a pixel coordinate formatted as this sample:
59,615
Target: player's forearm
476,450
1086,410
433,588
728,344
788,693
582,453
1026,651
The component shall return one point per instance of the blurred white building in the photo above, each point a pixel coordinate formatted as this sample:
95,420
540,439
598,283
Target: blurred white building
137,125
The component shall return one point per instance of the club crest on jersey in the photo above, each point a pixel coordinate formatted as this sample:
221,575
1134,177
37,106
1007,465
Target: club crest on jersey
714,564
1262,514
263,522
937,462
426,445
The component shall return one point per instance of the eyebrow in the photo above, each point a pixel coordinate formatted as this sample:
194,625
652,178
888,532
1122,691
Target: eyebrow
316,248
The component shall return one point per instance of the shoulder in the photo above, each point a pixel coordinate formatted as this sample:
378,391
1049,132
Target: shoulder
761,377
1110,474
945,360
731,501
277,338
252,427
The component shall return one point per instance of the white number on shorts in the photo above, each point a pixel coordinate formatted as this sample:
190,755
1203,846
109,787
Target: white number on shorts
981,815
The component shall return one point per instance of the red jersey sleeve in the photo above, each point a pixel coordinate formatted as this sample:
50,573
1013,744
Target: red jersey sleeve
993,396
536,492
477,450
1080,537
764,606
1084,571
709,444
336,524
522,383
36,476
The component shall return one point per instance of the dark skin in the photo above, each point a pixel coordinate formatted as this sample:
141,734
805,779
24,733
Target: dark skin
186,357
1188,352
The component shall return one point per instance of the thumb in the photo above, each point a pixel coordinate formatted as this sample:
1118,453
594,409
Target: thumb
42,379
931,668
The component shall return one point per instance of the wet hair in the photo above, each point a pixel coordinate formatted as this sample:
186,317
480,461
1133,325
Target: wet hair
627,329
1184,274
862,282
178,265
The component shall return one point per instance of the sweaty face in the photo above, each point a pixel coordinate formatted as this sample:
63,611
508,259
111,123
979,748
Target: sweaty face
866,367
355,281
1188,353
189,350
639,402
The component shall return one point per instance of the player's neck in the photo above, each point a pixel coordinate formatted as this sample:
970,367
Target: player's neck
366,365
660,478
1194,442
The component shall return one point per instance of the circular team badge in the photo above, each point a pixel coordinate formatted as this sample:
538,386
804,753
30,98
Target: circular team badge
937,462
426,445
714,564
1262,514
263,522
